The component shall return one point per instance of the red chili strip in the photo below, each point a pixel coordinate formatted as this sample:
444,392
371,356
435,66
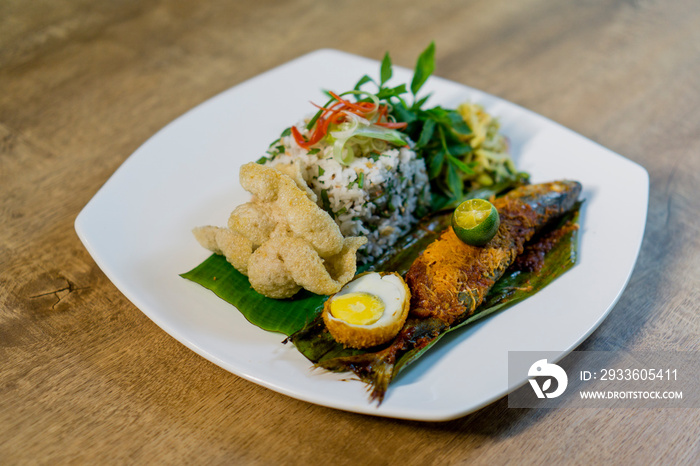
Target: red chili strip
334,114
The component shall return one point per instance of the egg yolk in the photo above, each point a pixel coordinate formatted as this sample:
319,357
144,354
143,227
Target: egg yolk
357,308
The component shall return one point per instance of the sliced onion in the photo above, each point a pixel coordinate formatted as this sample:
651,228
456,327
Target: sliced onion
342,154
347,129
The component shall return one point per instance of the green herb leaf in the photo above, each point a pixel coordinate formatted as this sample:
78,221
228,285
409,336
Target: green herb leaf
325,201
454,181
387,93
424,68
364,79
458,148
460,165
457,123
402,113
426,133
385,71
435,164
440,202
418,104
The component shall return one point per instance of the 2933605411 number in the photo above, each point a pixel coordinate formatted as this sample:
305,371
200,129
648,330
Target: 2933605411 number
638,374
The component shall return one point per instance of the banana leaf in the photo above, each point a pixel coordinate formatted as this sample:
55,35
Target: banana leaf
516,285
316,343
299,317
289,316
285,316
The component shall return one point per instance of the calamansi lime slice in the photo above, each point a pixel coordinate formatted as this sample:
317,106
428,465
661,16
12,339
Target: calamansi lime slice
475,221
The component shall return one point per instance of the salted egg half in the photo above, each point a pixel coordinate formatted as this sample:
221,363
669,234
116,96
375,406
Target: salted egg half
369,310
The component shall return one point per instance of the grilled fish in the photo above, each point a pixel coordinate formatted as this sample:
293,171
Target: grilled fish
450,279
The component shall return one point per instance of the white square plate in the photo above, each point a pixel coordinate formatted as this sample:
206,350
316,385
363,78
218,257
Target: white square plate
138,230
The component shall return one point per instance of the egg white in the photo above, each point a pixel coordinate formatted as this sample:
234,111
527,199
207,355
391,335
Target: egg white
388,288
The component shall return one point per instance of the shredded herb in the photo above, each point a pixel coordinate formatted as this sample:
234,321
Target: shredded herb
359,181
326,202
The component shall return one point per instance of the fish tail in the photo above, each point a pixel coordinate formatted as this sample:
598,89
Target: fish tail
375,369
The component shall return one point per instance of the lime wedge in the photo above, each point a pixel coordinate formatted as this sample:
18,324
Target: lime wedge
475,221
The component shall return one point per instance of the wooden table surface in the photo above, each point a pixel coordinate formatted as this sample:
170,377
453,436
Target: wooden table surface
85,376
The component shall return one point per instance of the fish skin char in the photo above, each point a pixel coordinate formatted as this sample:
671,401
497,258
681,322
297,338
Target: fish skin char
450,279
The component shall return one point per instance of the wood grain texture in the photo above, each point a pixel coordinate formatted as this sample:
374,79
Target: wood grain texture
85,377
